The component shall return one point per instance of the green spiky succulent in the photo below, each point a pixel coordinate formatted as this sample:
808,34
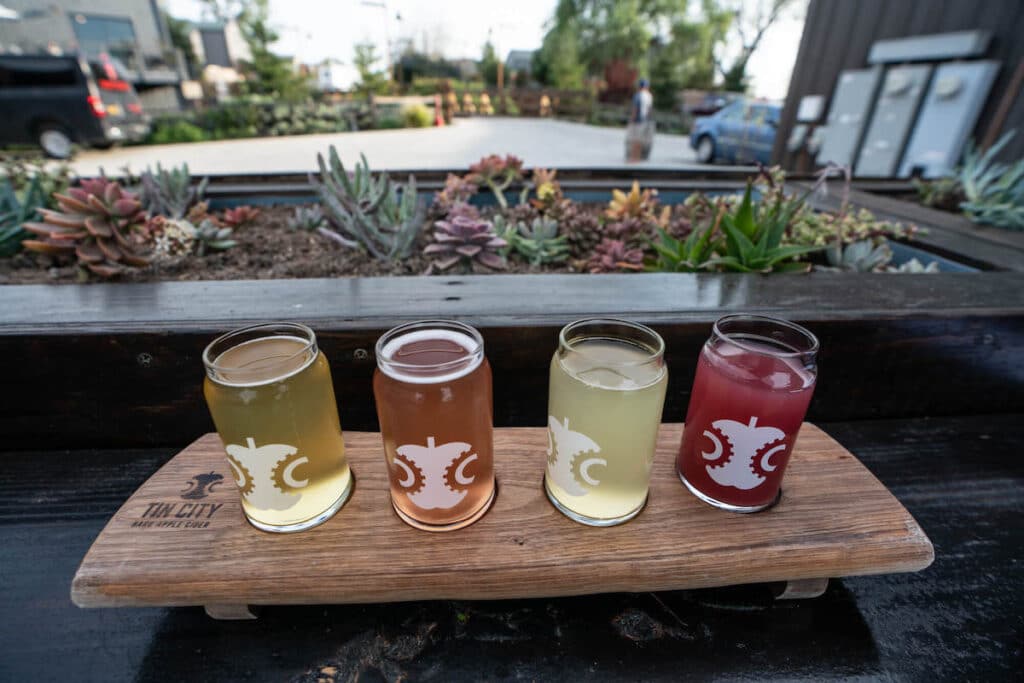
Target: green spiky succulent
211,236
98,222
753,237
539,242
308,218
169,191
993,192
365,211
16,209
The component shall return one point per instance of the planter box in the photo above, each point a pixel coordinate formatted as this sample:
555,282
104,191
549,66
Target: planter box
119,364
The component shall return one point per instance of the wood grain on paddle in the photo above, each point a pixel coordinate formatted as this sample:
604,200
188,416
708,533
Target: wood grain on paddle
835,519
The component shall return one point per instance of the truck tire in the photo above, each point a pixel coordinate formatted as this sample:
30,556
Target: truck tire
54,140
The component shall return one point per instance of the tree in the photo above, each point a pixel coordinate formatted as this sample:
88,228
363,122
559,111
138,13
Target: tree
751,19
365,61
489,64
686,57
557,63
225,10
179,30
267,73
668,40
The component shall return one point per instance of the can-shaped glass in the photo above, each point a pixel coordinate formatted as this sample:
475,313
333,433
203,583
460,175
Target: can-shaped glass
755,378
270,394
607,389
434,403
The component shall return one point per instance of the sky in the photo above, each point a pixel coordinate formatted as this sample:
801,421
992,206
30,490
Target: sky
314,30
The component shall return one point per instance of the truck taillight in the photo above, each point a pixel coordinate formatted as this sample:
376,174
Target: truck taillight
96,104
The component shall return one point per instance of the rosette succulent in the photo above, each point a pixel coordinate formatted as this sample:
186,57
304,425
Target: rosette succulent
240,216
308,218
98,222
466,240
612,256
642,205
539,242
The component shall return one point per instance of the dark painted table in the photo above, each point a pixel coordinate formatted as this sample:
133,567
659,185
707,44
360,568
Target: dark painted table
961,619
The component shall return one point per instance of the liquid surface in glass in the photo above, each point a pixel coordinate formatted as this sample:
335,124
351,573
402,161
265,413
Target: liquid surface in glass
274,408
745,411
435,412
604,411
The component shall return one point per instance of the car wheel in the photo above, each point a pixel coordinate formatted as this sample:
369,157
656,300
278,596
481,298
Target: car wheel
55,141
705,149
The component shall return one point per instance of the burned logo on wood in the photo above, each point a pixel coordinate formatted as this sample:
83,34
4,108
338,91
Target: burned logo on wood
184,514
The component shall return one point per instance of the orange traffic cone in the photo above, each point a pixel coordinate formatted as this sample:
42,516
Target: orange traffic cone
438,111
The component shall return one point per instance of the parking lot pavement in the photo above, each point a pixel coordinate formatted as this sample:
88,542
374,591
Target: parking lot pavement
539,142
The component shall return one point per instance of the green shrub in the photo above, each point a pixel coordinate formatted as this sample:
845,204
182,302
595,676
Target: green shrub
389,123
176,130
417,116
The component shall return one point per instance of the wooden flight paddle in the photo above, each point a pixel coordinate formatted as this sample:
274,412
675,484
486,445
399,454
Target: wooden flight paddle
181,539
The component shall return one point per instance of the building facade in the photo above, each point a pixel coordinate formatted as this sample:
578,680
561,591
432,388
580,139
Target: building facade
839,34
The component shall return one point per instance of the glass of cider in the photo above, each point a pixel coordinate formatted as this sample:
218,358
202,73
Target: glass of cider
608,380
434,401
755,378
270,394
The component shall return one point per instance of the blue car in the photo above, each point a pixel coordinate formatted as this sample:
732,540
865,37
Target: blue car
742,132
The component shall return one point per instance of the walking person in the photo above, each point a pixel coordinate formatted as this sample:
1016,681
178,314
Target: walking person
640,132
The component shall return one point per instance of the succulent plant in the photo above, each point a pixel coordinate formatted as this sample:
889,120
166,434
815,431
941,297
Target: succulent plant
240,216
688,255
633,231
582,229
539,242
169,192
463,209
637,204
913,266
993,192
547,191
457,189
497,173
611,256
753,236
365,211
940,193
98,222
307,218
16,210
469,241
171,237
209,236
864,256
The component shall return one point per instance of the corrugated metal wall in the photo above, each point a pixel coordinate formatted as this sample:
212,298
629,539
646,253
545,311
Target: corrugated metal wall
838,35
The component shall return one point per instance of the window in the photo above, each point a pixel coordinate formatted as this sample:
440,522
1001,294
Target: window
32,73
734,112
111,35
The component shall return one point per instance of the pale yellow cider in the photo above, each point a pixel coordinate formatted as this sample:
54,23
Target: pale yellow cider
604,410
274,408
